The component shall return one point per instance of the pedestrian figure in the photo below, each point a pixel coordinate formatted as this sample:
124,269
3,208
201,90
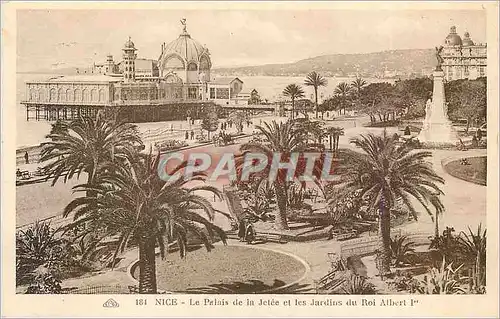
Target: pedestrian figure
222,126
171,127
26,158
249,233
187,135
192,135
242,229
479,134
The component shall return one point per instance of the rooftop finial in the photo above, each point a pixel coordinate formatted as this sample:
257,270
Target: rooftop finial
183,22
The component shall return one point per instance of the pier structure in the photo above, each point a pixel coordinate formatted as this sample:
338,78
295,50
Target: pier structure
176,86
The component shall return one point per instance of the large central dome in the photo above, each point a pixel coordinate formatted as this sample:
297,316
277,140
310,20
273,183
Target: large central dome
186,47
185,59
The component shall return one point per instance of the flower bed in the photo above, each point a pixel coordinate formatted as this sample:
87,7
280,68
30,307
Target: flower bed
474,172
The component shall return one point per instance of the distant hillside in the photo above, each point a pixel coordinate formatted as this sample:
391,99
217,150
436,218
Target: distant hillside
385,64
377,64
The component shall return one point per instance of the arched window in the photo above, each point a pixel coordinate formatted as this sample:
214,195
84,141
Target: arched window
86,95
60,95
171,78
32,95
52,95
204,63
69,95
101,95
192,67
78,95
93,95
174,62
41,95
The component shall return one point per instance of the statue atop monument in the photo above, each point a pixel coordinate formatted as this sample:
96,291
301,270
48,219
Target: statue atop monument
439,58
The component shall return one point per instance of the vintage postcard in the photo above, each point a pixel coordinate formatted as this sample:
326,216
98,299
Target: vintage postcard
249,159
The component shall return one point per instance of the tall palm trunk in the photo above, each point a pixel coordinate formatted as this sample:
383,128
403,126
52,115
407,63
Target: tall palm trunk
384,234
281,220
316,99
436,226
293,108
337,137
331,142
147,265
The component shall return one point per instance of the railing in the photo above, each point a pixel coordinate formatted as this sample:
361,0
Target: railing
366,245
158,101
68,103
103,289
56,222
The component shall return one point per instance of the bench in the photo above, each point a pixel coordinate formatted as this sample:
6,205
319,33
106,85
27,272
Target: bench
271,237
340,235
23,174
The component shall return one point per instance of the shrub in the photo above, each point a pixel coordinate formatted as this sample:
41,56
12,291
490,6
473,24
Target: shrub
170,145
400,249
443,281
44,280
36,246
405,282
357,285
447,244
473,246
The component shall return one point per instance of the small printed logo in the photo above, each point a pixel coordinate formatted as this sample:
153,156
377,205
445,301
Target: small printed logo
111,303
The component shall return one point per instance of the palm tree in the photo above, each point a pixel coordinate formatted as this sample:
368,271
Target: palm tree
386,173
357,85
439,207
334,134
285,139
343,90
84,144
315,80
132,203
293,91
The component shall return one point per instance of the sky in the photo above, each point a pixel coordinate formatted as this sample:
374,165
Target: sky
67,38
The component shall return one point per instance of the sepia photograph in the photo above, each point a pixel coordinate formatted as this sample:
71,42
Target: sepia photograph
237,151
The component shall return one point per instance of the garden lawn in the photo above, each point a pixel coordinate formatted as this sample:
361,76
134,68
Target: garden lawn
226,269
476,172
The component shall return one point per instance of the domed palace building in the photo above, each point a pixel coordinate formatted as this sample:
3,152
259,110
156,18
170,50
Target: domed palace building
463,59
176,86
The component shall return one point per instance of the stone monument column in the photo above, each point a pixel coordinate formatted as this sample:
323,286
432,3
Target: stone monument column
436,128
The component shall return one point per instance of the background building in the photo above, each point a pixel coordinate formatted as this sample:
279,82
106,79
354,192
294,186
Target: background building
463,59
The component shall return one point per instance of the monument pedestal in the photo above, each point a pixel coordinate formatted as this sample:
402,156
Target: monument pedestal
437,129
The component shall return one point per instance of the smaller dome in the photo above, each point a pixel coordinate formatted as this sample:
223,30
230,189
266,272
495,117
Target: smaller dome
467,41
129,44
453,38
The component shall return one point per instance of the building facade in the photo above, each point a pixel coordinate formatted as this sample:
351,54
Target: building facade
180,76
463,59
